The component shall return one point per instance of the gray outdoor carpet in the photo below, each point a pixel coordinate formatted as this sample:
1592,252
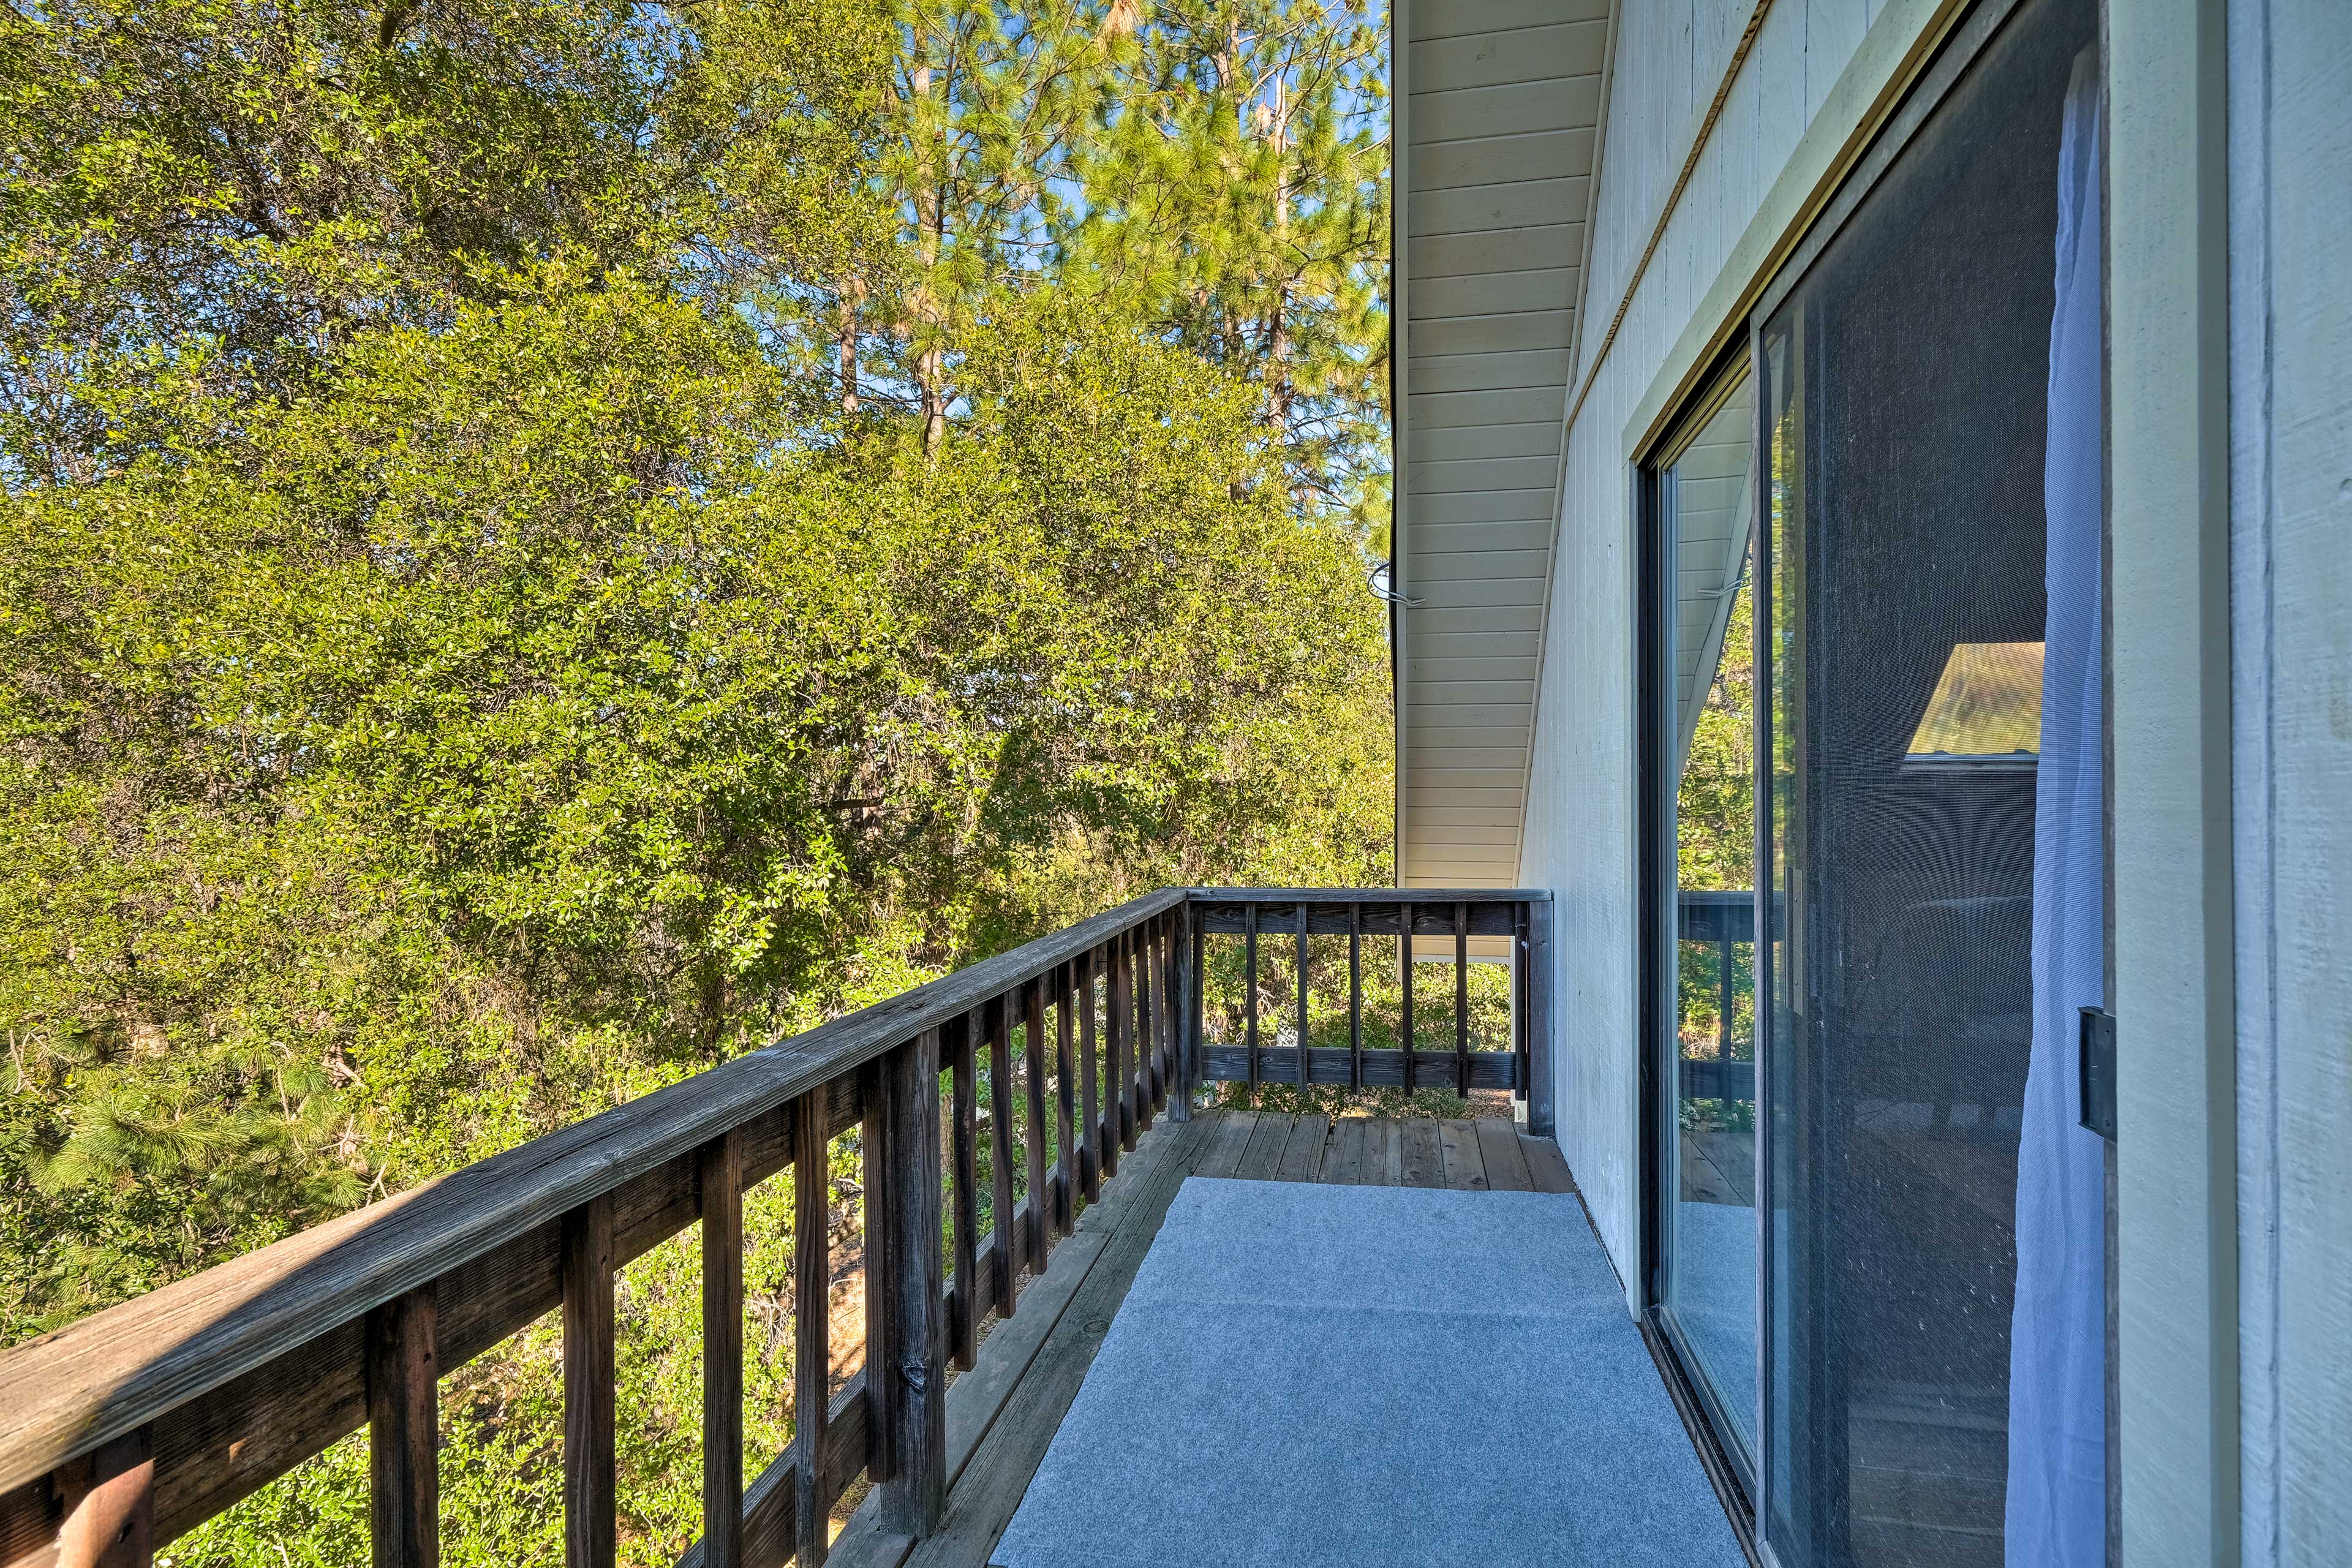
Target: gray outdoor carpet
1305,1376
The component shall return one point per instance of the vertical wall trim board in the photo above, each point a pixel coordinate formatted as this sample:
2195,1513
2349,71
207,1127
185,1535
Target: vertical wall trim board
2168,488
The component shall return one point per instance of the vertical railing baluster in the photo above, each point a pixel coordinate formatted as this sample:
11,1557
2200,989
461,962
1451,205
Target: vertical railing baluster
1519,1074
1461,1000
1134,1047
1540,1119
811,1325
964,1314
1006,1258
1187,1044
719,1173
590,1523
905,1357
1167,992
1114,1058
1091,1153
1032,1062
1723,976
1163,1065
1139,1020
1355,996
1302,994
1404,976
877,1200
1065,1180
404,1432
1249,991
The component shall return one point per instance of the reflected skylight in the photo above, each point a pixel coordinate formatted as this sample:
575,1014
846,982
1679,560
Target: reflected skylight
1987,709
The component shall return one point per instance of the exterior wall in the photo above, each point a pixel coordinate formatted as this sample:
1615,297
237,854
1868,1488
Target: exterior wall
1810,75
2290,66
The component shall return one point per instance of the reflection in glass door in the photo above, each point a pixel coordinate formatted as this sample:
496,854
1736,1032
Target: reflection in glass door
1929,591
1706,513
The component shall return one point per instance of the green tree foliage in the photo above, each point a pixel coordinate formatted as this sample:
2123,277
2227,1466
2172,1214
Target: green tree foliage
465,662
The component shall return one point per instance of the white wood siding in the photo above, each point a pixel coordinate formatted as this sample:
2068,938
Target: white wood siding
1501,101
2291,527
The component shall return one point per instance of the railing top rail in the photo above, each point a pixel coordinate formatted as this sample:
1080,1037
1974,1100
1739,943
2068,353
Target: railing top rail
103,1376
1369,895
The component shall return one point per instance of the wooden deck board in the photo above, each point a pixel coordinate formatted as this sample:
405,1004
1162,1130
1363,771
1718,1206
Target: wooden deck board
1457,1145
1264,1156
1227,1145
1507,1163
1546,1166
1422,1165
1345,1155
1302,1156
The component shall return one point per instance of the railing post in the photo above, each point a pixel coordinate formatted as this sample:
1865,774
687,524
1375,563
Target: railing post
1185,1013
720,1193
1539,1018
590,1526
404,1432
906,1357
1039,1236
879,1174
964,1325
109,1506
1005,1256
1519,1073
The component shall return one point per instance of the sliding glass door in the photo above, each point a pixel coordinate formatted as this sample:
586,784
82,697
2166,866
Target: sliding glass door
1875,843
1928,680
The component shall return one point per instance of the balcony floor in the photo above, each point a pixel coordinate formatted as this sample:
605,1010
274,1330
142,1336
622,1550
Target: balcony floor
1481,1351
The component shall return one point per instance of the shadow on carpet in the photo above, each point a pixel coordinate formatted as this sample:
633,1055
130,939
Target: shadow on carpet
1312,1375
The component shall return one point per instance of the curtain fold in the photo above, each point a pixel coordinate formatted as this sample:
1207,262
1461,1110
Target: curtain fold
2056,1509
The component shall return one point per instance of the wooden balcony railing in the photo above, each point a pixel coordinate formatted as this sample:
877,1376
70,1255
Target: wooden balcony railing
123,1430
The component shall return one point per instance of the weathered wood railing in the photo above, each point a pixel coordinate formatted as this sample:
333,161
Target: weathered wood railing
122,1431
1452,917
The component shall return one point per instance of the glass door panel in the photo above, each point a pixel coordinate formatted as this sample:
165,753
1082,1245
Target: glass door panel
1706,510
1921,437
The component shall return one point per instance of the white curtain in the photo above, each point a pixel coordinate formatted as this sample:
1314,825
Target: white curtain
2057,1376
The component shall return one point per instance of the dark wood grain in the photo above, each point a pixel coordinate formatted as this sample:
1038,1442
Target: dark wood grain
1000,1155
722,1182
812,1329
1461,994
1249,990
1356,995
1405,1043
589,1516
1302,1154
963,1312
1457,1145
1344,1157
1264,1156
107,1501
1498,1150
1065,1110
1546,1168
1382,1069
1033,1063
405,1431
906,1356
878,1178
1090,1150
1422,1165
1224,1157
